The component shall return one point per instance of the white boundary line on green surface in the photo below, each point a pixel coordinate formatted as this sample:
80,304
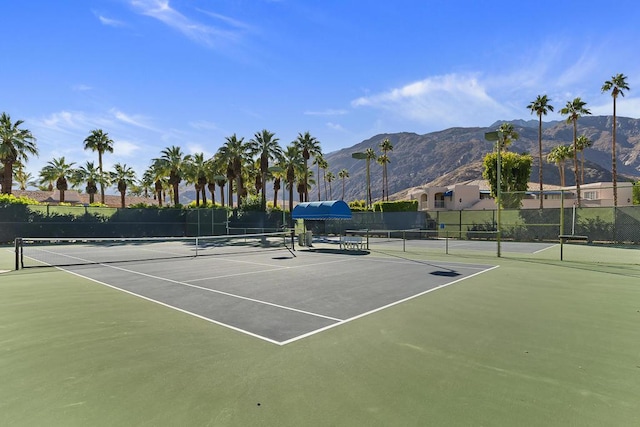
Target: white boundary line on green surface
338,322
384,307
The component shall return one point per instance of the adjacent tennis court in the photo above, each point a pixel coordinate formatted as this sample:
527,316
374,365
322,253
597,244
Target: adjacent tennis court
525,339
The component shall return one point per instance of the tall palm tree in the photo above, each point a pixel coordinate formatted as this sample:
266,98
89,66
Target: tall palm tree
559,155
90,175
329,177
173,163
343,174
196,174
15,145
308,146
234,153
582,143
146,183
385,147
60,171
574,110
370,155
616,85
319,161
383,160
265,145
291,163
540,107
124,176
155,173
99,141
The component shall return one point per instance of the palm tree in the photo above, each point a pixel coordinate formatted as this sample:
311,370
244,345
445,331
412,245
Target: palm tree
146,183
559,155
370,155
385,147
15,145
342,175
383,160
574,110
99,141
60,171
123,176
265,145
540,107
329,177
308,146
234,153
173,163
582,143
24,179
89,174
156,175
616,85
291,162
196,174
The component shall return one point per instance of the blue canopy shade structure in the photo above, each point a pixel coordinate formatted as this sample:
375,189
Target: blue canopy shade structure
333,209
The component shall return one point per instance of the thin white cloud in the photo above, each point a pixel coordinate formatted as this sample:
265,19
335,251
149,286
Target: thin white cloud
328,112
125,148
203,34
336,126
110,22
81,87
203,125
448,100
137,121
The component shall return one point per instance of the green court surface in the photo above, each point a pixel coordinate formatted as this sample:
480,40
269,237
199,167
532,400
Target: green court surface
534,342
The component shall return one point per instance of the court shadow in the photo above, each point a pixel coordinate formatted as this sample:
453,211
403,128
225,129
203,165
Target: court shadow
445,273
338,251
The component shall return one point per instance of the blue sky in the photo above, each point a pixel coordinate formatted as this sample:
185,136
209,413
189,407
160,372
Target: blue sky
157,73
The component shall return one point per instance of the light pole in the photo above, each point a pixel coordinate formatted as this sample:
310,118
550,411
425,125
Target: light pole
497,136
363,156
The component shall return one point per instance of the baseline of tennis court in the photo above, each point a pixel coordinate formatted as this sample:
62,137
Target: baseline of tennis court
277,296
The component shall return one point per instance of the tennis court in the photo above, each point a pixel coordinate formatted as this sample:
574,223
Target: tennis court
265,290
524,340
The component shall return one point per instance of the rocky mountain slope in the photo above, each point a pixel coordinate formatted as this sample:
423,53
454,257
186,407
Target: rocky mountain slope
455,155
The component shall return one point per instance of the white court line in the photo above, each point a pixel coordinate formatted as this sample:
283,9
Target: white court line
342,322
224,276
542,250
339,322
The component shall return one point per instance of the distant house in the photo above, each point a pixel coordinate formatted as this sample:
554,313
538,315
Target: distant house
475,195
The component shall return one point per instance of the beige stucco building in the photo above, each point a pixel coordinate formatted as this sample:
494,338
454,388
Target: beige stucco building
475,195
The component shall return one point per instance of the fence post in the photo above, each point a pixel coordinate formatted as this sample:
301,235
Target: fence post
17,245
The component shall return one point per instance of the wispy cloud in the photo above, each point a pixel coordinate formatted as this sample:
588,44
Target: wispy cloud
451,99
206,35
134,120
104,20
125,148
328,112
81,87
336,126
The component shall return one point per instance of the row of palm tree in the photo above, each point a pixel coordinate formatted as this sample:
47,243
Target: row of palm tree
574,110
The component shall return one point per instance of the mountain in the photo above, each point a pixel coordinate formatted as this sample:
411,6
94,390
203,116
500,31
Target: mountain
455,155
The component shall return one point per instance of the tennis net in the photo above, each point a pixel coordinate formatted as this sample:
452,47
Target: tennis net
39,252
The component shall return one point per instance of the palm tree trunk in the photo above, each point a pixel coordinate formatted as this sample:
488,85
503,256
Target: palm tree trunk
101,177
575,160
122,199
342,189
540,157
614,169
